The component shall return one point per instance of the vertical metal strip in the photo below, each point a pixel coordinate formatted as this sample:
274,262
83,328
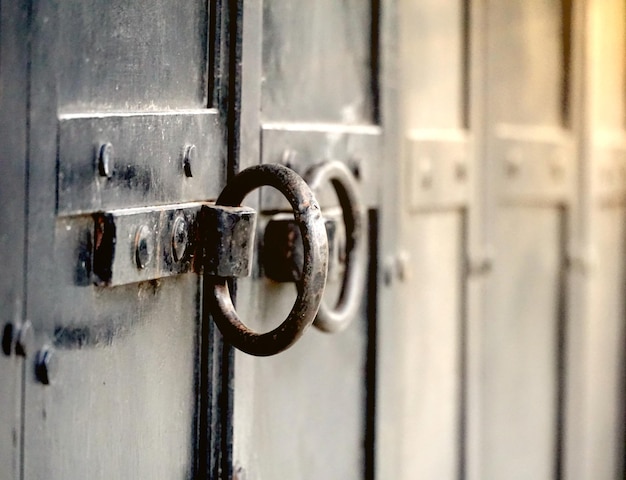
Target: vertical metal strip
375,61
372,340
235,48
561,346
463,345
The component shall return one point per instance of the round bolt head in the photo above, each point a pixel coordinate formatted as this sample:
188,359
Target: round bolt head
47,366
189,158
426,172
513,162
460,169
180,238
144,246
25,339
389,270
105,160
557,166
356,166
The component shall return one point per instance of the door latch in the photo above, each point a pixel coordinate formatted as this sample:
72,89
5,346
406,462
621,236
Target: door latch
217,240
138,244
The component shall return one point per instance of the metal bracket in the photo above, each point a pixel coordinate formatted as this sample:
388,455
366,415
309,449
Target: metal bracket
133,245
118,160
439,169
537,164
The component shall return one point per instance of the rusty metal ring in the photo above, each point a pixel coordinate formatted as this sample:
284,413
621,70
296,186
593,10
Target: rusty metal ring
311,285
344,183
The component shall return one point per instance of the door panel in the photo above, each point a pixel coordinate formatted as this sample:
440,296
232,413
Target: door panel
432,325
151,56
305,46
288,408
597,362
435,179
606,333
520,384
530,160
125,361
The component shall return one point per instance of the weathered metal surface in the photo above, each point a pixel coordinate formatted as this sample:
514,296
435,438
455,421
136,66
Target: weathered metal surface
14,65
139,244
148,161
120,56
291,116
135,361
496,170
311,284
305,46
227,240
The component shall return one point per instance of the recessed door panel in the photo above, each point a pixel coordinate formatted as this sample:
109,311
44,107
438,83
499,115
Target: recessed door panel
605,338
521,329
597,380
432,324
526,57
317,61
122,56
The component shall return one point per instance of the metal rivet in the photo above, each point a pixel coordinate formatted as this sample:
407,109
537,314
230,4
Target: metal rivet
144,246
460,169
556,166
356,166
426,172
189,158
513,162
25,339
105,160
47,366
389,270
402,266
180,238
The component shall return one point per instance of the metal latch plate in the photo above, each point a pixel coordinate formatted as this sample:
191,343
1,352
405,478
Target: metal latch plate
138,244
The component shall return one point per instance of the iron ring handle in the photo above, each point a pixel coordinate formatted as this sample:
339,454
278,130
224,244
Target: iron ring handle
337,318
310,286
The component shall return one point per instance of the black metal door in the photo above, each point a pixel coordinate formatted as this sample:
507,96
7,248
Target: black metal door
124,118
117,108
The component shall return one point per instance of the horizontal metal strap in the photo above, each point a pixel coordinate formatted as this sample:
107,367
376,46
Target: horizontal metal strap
138,244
